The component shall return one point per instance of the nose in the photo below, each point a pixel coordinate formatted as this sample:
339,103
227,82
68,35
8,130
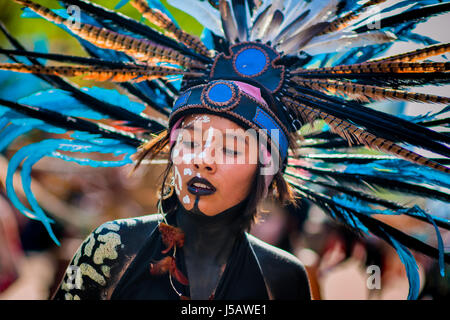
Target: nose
209,168
205,162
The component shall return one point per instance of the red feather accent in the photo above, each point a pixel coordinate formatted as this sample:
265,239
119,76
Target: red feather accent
168,264
119,125
171,236
162,266
179,276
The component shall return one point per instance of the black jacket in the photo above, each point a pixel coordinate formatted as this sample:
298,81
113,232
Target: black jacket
113,263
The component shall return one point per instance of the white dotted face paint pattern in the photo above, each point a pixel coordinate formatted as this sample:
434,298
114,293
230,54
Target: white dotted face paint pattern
187,172
188,157
209,137
178,185
203,119
186,200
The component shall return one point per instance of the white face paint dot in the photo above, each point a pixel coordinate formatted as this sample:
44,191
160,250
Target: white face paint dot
178,185
188,157
187,172
186,199
176,152
198,175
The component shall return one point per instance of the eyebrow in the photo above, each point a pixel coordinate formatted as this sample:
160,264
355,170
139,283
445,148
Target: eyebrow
238,137
190,126
227,135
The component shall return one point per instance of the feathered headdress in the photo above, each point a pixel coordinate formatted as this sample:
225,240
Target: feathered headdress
315,60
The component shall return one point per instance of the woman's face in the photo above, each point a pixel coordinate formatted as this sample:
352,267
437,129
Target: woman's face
215,163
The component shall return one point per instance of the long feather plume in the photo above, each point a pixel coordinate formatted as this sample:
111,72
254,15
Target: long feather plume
353,134
143,50
363,92
99,73
379,67
228,21
416,55
342,22
159,19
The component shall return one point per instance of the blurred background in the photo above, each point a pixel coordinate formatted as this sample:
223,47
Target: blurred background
81,198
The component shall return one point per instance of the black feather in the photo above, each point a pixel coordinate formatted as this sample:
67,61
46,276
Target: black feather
135,27
379,123
240,9
70,59
375,226
390,80
386,183
72,123
369,198
141,121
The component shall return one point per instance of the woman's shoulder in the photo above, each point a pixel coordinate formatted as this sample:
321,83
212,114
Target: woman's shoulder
103,256
273,254
130,224
285,274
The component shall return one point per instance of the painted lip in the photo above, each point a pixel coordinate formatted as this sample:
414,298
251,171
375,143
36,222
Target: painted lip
200,187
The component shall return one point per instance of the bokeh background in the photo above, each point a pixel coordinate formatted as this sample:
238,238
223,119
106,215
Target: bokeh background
81,198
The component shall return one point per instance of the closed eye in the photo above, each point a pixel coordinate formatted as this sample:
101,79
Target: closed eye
190,144
231,152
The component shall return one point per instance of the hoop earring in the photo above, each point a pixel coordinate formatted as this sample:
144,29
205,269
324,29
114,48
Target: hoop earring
168,192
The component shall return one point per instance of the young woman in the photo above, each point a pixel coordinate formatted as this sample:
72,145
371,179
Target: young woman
262,71
197,247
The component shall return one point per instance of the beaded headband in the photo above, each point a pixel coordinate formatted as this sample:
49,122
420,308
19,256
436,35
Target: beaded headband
227,99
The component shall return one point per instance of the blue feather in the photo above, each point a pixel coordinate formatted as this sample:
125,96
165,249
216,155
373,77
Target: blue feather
10,133
16,85
32,153
401,170
63,102
121,4
361,207
207,38
412,270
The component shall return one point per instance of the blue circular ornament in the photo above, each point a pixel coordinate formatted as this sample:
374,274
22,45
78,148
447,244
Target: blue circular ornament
220,93
250,62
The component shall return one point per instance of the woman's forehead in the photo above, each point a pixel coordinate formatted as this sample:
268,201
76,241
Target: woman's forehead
210,127
206,121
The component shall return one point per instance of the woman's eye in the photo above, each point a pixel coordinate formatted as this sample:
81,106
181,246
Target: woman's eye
190,144
231,152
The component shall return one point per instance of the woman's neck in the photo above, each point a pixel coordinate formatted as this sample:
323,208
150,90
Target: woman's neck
208,244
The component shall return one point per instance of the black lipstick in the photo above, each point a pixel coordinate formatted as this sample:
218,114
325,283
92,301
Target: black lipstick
200,187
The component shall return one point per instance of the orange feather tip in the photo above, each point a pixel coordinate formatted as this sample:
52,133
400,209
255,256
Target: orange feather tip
165,265
162,266
171,236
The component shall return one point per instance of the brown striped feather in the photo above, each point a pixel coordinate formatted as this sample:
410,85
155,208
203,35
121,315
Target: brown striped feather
353,134
161,20
367,92
143,50
381,67
418,54
97,73
342,22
